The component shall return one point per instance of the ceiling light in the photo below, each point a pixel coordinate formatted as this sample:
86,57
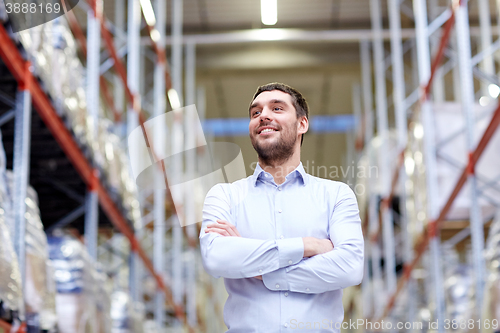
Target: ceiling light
484,100
418,131
268,34
173,97
149,14
409,165
269,11
494,90
155,35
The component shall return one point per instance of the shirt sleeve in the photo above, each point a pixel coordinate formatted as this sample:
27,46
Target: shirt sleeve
340,268
239,257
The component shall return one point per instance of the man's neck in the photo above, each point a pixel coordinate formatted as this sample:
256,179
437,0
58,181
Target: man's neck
280,170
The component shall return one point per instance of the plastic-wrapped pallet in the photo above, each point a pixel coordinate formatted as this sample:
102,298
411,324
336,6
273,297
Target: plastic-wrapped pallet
492,290
126,319
110,144
103,302
10,276
54,54
39,288
459,291
81,293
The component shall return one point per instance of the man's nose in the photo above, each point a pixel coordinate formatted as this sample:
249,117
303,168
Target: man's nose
266,114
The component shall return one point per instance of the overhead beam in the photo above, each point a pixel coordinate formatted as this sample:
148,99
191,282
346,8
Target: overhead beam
294,35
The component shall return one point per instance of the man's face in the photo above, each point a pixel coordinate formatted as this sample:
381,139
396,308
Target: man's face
273,126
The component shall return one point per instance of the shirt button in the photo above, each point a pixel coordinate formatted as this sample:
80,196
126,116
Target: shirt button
277,286
281,237
279,188
307,289
290,262
286,324
279,211
286,294
260,270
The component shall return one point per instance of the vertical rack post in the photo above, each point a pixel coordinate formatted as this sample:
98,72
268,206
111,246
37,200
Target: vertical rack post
438,89
455,72
160,108
133,65
467,93
383,134
22,139
92,94
424,71
350,136
119,91
399,94
373,244
177,147
487,65
191,137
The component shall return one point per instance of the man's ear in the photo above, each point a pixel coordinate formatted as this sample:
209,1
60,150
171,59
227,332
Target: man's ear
303,125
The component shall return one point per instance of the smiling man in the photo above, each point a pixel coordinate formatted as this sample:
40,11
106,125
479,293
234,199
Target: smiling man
286,242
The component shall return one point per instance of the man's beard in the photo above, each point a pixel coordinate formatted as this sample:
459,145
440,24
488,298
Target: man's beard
279,151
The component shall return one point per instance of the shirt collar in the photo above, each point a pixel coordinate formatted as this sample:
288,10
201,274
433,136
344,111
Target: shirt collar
298,172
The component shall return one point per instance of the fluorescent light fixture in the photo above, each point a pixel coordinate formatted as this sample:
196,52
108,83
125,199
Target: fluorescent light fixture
409,165
149,14
268,34
155,35
494,90
418,131
173,97
269,11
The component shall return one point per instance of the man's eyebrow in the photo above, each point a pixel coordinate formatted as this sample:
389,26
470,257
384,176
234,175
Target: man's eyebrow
277,101
274,101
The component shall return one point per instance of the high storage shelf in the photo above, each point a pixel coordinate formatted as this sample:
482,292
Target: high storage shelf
60,170
434,52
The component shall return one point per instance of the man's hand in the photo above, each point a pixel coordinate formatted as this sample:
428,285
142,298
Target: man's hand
222,228
314,246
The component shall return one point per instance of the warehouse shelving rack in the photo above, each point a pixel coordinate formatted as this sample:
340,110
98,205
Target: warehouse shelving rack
380,221
31,89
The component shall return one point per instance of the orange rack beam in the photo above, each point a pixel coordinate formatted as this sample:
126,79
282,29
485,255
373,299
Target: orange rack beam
6,326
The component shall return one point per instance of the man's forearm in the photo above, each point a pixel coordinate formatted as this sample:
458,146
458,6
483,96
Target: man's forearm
236,257
311,246
321,273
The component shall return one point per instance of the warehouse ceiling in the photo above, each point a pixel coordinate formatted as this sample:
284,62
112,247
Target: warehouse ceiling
324,72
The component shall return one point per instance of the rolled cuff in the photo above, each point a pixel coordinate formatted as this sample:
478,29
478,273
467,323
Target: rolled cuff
276,280
290,250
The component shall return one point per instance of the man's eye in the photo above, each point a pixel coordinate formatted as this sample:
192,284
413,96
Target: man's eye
256,113
278,108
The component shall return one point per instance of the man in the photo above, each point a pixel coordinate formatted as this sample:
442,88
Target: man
285,242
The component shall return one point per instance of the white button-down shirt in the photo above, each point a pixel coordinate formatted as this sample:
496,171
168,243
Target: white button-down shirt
296,292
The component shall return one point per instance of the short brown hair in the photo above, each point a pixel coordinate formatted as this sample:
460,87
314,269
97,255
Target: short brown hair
298,101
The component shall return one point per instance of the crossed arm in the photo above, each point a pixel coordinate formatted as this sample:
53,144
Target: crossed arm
312,245
306,265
